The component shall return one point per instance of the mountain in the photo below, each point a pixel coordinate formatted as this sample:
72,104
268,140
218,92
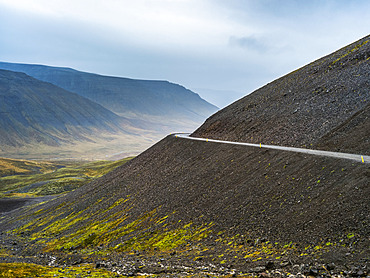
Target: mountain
306,107
154,104
35,114
186,207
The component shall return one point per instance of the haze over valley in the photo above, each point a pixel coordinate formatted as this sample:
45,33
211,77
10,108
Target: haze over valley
89,116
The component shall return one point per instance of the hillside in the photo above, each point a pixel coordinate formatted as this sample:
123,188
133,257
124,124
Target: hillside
197,208
322,105
39,115
186,204
161,105
10,167
25,178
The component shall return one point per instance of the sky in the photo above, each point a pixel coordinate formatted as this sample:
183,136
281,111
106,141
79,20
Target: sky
221,49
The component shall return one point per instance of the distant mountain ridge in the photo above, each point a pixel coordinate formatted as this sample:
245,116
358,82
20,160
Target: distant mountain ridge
36,112
74,107
160,103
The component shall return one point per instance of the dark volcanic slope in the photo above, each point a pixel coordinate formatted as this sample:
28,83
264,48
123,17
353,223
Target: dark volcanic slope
36,112
137,99
352,135
234,196
202,203
310,107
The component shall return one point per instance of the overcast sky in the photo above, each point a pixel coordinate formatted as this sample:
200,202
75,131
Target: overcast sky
221,49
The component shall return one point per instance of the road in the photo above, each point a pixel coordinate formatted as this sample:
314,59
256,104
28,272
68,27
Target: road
353,157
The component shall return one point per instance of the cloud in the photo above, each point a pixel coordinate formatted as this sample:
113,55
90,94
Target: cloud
236,45
249,43
157,23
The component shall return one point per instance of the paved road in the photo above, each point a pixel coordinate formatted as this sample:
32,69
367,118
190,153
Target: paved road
354,157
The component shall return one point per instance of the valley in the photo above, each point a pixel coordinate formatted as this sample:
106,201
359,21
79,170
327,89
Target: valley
23,181
67,114
154,105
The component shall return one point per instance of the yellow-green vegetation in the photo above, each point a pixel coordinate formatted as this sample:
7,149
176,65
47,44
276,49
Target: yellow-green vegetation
251,250
33,270
48,178
148,232
167,239
15,167
152,234
3,252
350,51
116,231
237,247
113,231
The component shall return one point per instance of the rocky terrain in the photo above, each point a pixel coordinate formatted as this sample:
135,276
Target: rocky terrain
187,208
324,105
249,210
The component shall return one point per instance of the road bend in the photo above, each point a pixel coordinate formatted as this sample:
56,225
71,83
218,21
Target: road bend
353,157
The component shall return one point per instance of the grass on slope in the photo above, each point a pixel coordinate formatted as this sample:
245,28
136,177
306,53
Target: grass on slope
10,167
19,178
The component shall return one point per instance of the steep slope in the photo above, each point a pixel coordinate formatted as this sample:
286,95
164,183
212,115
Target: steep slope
305,107
195,204
35,113
352,135
215,208
158,104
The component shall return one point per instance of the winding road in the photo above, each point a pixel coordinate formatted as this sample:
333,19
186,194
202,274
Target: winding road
353,157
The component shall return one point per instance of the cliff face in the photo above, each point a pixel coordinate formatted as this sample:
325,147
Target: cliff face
309,107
